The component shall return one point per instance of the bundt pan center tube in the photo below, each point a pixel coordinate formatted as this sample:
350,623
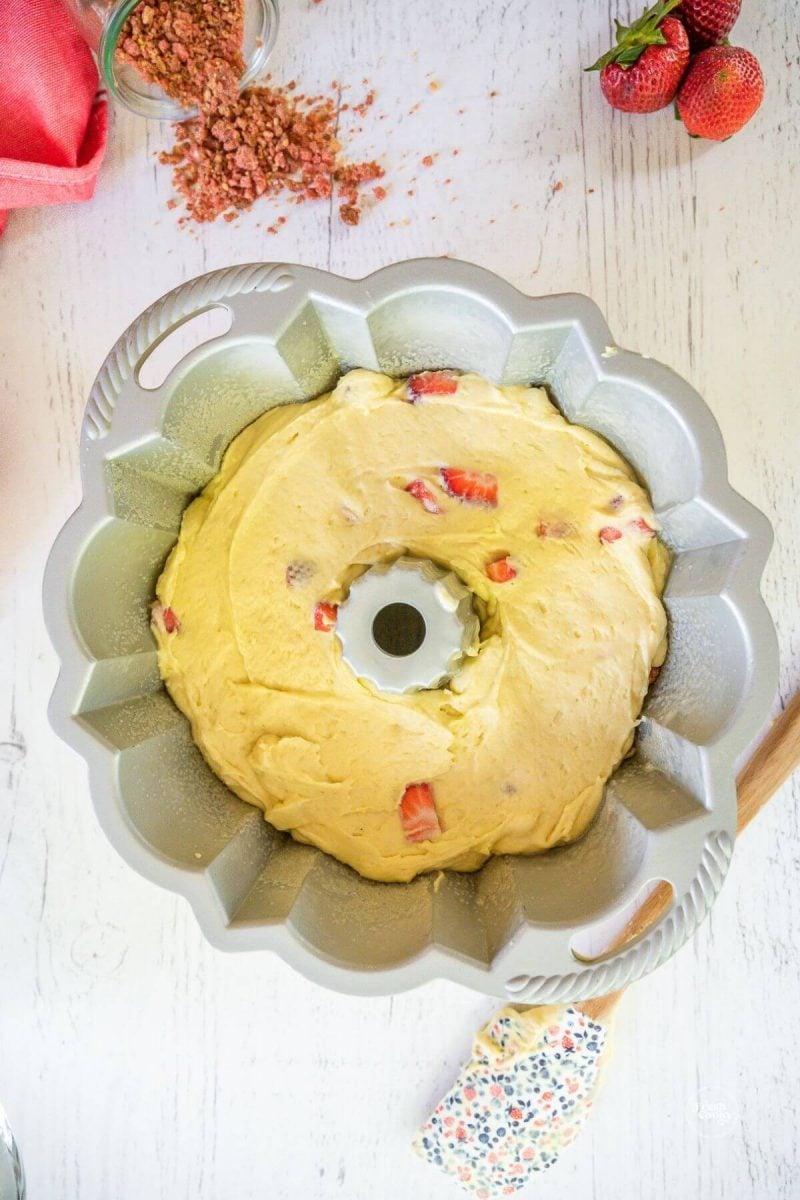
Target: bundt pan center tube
521,926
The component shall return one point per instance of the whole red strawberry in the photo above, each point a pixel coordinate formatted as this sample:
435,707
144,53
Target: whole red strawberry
708,22
722,89
643,71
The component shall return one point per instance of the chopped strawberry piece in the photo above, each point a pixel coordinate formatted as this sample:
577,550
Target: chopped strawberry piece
325,616
473,487
641,526
501,570
418,813
171,622
299,573
555,529
610,534
431,383
420,491
654,674
165,619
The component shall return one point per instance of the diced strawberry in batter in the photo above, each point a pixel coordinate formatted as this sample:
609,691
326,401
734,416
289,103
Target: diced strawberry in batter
473,487
325,616
171,622
431,383
418,813
420,491
554,529
501,570
641,526
298,573
165,619
610,534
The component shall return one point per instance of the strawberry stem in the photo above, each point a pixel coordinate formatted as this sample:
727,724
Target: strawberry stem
633,40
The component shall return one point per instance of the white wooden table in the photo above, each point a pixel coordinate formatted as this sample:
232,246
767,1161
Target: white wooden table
135,1061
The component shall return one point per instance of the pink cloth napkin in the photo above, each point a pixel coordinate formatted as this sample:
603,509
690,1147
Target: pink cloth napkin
53,127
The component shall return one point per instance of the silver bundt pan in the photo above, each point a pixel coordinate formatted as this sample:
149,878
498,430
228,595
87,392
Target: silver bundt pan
517,926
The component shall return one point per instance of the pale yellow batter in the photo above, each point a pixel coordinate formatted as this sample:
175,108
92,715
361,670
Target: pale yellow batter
519,745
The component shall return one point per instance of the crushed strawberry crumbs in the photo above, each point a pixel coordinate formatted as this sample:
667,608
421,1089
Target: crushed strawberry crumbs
263,141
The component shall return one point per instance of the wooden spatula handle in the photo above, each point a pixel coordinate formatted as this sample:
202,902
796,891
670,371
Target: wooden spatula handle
770,766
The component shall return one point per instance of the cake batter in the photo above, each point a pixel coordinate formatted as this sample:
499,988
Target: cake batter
541,520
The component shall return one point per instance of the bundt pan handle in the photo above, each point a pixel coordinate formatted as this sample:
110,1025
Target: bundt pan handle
694,887
118,378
